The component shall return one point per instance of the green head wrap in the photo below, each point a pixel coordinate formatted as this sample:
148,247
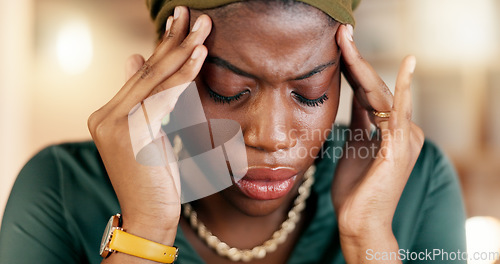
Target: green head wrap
340,10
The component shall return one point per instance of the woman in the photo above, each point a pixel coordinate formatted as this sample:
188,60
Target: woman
274,67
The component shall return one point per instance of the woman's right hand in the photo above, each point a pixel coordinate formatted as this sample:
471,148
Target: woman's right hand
148,195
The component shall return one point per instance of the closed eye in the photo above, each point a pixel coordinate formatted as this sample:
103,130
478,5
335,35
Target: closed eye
311,102
224,99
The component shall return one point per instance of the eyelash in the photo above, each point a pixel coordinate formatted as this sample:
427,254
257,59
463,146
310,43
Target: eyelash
311,102
224,99
308,102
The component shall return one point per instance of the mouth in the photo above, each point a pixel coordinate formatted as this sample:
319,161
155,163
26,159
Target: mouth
266,183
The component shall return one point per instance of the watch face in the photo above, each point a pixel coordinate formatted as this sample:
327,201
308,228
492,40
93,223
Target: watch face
106,237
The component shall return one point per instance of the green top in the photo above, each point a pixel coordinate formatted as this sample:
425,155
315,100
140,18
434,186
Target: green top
63,198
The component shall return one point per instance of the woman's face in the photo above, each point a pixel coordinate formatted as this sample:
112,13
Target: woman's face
276,71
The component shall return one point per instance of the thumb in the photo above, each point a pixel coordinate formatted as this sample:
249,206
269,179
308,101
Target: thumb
133,64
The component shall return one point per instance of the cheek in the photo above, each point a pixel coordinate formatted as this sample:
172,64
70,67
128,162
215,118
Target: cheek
314,127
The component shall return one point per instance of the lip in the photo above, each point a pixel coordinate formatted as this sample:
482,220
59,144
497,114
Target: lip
267,183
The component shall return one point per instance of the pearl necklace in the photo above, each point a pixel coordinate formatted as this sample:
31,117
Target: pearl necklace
260,251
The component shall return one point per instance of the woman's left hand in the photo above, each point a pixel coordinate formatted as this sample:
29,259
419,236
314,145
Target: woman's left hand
373,171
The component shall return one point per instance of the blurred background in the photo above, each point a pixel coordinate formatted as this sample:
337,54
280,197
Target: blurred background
60,60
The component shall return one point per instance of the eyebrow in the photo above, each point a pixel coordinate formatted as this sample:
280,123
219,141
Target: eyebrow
316,70
225,64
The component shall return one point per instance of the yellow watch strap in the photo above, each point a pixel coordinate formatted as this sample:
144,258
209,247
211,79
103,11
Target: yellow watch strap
124,242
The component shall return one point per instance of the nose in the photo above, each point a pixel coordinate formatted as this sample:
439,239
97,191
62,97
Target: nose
269,125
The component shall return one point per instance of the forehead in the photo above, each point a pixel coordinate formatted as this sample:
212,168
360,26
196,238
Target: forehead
269,39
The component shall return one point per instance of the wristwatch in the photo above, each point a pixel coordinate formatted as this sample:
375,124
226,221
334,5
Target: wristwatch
115,239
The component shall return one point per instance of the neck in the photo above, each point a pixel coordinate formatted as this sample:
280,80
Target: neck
246,224
231,224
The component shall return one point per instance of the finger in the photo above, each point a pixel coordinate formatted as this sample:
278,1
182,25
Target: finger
418,134
154,108
131,69
359,118
176,30
402,109
177,56
418,140
145,123
133,64
385,152
370,89
187,72
170,90
154,75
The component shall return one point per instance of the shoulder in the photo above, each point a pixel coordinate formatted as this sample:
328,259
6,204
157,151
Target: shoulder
432,171
62,168
57,164
432,166
66,155
430,213
433,175
70,175
70,156
75,171
63,192
61,199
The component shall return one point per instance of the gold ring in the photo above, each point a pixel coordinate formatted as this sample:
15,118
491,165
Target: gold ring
381,114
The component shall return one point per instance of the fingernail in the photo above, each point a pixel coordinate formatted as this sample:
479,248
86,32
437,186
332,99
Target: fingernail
197,25
177,12
196,53
169,23
349,32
